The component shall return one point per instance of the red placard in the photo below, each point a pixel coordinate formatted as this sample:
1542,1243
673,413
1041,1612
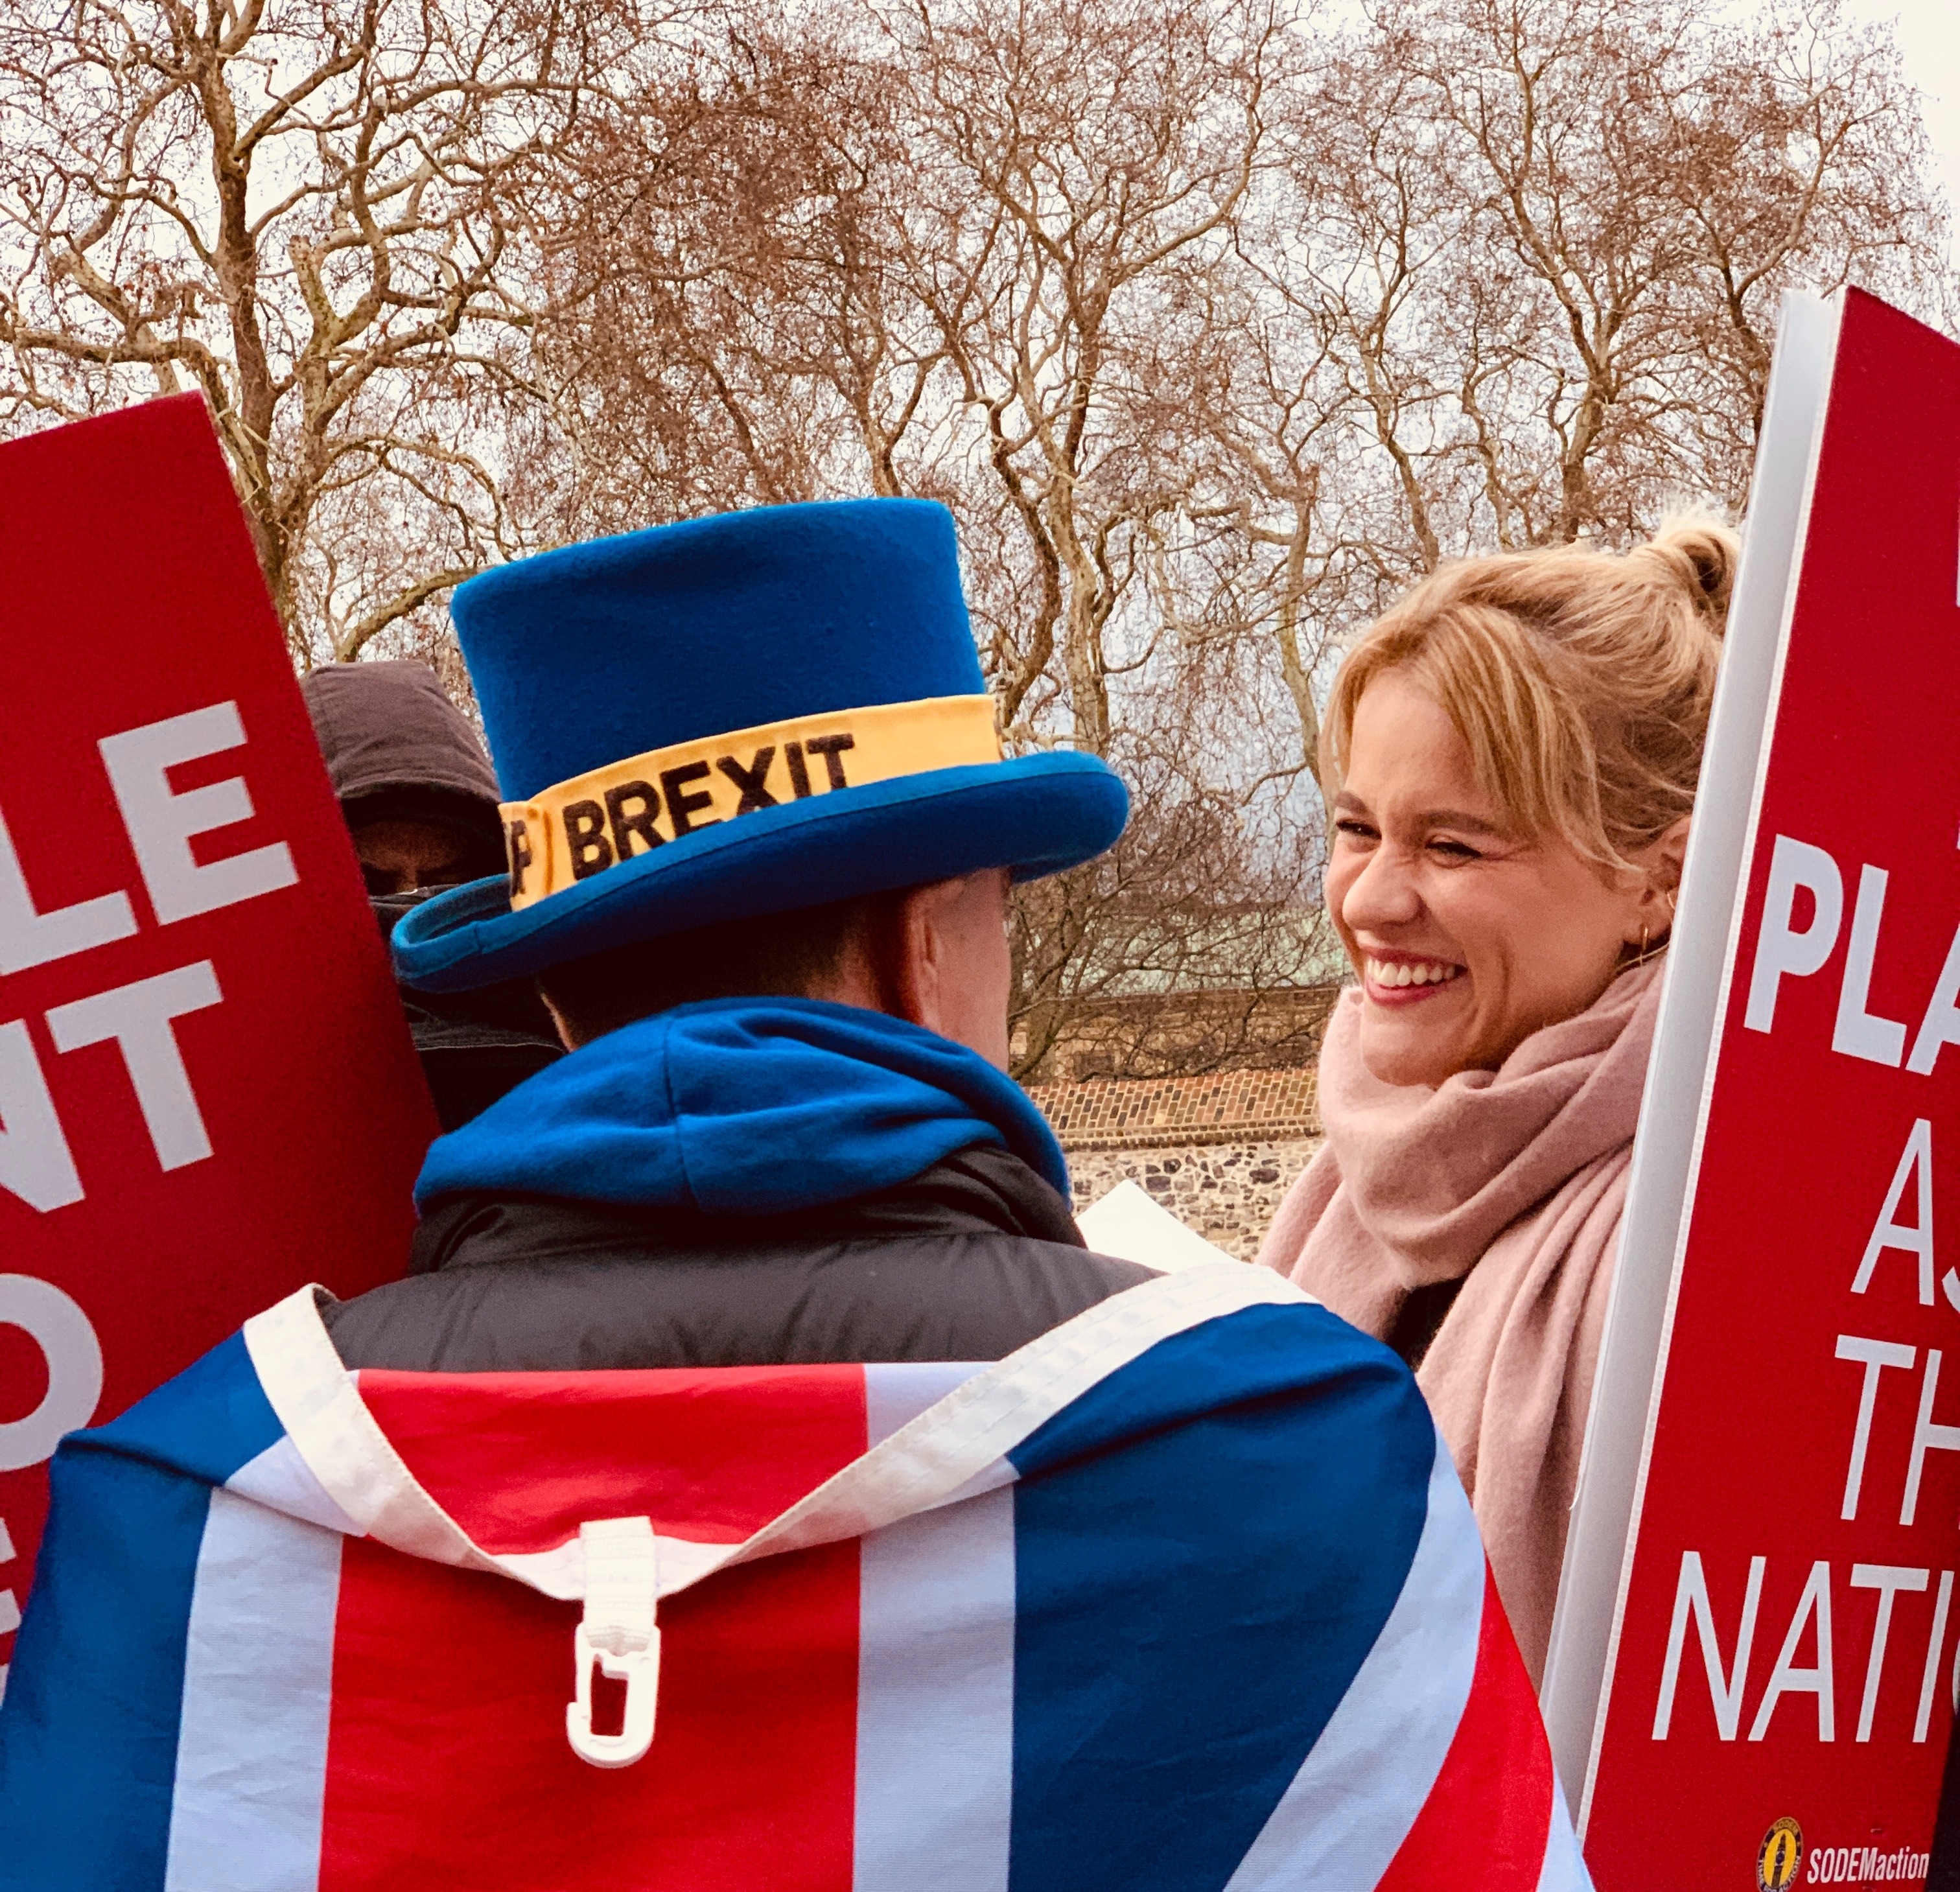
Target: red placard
1783,1663
208,1093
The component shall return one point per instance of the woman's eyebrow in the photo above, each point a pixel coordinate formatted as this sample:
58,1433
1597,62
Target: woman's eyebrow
1456,818
1346,803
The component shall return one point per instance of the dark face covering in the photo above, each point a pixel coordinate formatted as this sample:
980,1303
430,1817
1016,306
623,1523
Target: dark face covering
403,854
421,802
474,1046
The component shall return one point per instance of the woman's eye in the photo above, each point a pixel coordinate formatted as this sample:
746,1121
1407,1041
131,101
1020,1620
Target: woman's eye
1454,850
1354,830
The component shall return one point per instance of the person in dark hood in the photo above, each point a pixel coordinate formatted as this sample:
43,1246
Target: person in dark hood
415,785
421,802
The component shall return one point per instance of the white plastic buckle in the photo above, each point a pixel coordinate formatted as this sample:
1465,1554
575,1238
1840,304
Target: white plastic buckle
618,1635
640,1669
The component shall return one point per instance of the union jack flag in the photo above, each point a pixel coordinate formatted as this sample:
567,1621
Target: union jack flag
1184,1594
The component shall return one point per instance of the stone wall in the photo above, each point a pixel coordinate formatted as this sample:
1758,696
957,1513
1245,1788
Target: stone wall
1226,1191
1218,1151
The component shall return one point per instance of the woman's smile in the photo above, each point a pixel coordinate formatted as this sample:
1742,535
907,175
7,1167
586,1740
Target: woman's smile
1405,978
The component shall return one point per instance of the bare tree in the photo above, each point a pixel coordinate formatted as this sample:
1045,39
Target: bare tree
1078,160
1215,325
1216,330
727,325
1597,206
310,210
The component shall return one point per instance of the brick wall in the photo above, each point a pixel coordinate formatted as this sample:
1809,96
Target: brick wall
1150,1035
1117,1113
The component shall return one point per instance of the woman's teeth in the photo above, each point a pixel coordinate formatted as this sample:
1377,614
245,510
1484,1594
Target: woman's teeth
1404,972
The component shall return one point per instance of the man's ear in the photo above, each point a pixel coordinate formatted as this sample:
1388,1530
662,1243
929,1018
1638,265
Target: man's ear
937,956
918,964
894,962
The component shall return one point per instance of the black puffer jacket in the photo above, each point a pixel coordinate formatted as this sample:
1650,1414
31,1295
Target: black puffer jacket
975,1258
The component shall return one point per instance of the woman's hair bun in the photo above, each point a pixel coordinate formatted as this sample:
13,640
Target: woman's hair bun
1579,679
1701,554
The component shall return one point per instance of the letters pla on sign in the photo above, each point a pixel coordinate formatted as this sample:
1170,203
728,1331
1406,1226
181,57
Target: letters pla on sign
1785,949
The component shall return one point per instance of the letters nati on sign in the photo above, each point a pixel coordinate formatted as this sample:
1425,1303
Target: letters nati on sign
37,1159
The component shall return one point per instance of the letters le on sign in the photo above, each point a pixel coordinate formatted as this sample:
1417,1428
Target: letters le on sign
1754,1660
207,1093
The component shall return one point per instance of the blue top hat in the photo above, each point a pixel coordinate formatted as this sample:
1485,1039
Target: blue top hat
732,717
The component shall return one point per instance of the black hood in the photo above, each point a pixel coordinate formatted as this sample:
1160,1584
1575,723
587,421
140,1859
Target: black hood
396,745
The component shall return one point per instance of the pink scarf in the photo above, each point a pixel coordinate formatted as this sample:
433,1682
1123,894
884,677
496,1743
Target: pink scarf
1516,1179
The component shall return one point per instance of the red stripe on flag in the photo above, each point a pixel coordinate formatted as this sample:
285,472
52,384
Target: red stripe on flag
1490,1811
447,1762
521,1460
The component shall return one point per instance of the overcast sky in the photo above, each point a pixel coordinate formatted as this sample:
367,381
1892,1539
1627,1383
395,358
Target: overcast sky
1929,34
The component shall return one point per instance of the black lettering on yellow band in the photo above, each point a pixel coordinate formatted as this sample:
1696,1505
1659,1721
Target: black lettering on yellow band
585,835
632,809
608,816
683,804
831,749
750,780
517,852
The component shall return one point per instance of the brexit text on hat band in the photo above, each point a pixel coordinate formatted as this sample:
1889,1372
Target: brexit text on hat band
609,816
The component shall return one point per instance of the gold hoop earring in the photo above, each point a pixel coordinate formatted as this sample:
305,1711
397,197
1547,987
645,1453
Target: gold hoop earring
1649,949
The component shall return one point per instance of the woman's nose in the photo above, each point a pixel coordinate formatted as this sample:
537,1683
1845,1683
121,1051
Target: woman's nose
1383,893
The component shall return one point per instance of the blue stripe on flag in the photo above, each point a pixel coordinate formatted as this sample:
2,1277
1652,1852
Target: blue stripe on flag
88,1732
1191,1608
89,1727
211,1419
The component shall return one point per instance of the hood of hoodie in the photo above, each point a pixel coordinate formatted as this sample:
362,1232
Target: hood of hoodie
394,744
744,1107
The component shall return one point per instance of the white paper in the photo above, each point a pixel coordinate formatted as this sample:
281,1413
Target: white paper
1129,1224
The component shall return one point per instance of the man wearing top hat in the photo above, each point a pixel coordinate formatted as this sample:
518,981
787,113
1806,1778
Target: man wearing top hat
761,834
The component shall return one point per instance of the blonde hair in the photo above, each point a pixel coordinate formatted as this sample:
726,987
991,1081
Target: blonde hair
1580,680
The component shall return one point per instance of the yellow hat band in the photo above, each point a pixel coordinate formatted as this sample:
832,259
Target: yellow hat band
605,817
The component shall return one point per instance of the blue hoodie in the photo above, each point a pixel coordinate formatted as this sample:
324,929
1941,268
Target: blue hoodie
743,1107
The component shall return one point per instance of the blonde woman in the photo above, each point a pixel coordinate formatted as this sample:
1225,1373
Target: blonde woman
1509,759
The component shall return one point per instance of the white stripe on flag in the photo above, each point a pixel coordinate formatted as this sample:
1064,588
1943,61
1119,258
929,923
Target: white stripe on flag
935,1676
1358,1793
953,1450
251,1773
1564,1869
897,1391
281,1479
